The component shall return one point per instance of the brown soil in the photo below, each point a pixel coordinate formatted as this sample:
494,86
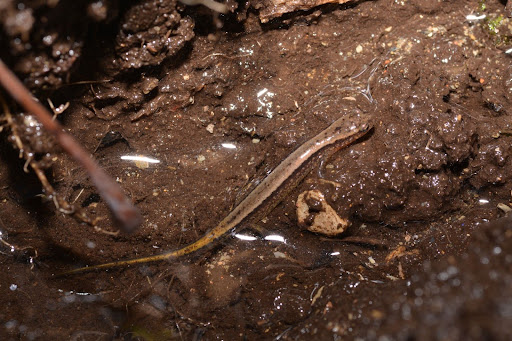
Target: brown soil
220,100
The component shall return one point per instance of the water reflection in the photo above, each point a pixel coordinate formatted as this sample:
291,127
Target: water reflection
139,158
275,238
76,296
140,161
473,17
270,237
245,237
265,97
228,145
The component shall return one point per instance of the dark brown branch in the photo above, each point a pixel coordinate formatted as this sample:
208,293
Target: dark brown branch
120,205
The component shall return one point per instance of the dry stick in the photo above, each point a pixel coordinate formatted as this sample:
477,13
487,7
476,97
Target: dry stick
120,205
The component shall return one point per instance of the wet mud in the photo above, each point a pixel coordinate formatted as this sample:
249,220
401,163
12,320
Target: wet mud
189,110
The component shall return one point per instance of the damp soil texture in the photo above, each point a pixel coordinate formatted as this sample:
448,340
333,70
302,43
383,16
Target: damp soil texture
189,109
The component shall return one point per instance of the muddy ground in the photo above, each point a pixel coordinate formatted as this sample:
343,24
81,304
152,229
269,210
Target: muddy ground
220,100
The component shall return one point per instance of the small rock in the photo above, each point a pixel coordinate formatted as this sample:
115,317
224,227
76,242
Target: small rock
316,215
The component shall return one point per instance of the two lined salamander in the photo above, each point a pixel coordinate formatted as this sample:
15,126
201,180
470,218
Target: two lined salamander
291,170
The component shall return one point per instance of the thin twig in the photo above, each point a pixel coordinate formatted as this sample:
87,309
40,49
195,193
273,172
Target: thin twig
120,205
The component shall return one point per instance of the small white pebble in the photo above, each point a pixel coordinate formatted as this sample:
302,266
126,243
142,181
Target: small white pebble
209,128
255,140
10,324
13,287
278,254
201,158
359,49
505,208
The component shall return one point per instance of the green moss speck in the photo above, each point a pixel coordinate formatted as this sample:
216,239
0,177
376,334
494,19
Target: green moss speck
494,24
481,6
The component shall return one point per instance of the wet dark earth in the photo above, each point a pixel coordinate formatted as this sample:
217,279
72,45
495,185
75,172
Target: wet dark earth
210,103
